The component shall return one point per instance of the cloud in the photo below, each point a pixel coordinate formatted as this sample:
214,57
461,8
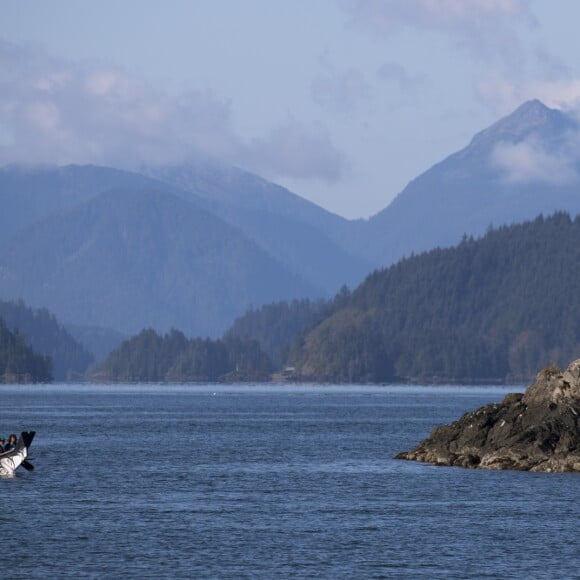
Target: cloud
61,112
294,151
339,91
530,162
487,27
54,111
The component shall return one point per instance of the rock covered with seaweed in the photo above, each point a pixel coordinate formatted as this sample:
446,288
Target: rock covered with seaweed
536,431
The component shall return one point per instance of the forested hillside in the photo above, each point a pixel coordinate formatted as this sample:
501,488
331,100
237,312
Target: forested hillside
269,244
313,242
131,259
99,341
18,362
44,334
31,194
490,309
153,357
276,325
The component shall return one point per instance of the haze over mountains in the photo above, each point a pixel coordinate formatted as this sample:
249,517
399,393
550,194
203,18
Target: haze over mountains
193,247
135,257
311,240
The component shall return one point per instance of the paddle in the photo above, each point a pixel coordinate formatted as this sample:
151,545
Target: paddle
27,437
27,465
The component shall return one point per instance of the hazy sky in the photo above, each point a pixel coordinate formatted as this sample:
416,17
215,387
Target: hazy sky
341,101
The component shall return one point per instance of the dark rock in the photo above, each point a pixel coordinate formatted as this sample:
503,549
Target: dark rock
537,431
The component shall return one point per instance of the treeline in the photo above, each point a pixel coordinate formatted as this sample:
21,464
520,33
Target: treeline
492,309
171,357
496,308
41,330
19,362
275,326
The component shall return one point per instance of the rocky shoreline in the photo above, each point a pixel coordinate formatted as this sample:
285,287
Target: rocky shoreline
536,431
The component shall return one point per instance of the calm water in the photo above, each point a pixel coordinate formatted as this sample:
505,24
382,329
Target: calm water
198,482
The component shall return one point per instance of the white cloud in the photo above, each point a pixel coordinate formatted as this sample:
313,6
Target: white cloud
53,111
530,162
294,151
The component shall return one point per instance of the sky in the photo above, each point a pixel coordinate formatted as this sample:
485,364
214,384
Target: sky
341,101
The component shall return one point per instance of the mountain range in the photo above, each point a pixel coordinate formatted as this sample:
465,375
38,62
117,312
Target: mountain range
194,246
130,258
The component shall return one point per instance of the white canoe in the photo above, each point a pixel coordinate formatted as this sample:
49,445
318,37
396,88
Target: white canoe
10,461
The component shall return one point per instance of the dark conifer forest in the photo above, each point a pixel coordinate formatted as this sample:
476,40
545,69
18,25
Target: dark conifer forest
492,309
276,325
18,362
40,329
171,357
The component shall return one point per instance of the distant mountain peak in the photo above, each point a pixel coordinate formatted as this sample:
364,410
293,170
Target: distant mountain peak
530,117
529,114
523,165
532,107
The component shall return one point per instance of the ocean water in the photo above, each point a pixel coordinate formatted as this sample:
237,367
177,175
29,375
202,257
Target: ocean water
268,482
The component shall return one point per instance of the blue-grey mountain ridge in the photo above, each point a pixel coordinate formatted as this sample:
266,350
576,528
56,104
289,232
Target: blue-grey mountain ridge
194,246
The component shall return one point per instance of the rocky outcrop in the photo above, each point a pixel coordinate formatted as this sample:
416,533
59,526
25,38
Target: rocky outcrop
537,431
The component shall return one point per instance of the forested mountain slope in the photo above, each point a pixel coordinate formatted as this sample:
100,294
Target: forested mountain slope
40,329
274,326
489,309
18,362
30,194
313,242
99,341
296,233
130,259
